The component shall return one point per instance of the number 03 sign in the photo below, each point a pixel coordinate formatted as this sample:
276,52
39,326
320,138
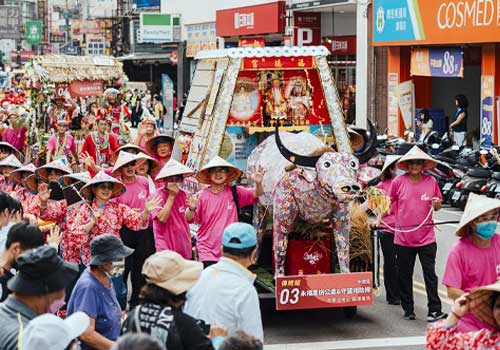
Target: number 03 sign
324,291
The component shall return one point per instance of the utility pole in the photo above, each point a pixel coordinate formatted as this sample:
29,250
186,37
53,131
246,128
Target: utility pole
19,38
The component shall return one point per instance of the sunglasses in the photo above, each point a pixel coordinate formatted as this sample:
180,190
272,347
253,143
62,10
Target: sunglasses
105,187
415,162
219,170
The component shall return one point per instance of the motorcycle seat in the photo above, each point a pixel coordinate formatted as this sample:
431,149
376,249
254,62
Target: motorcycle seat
482,173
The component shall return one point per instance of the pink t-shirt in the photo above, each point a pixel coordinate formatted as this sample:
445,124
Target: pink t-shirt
15,136
69,147
173,234
214,213
412,201
136,195
469,267
389,218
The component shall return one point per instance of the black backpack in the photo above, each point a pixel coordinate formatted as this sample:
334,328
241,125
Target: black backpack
245,214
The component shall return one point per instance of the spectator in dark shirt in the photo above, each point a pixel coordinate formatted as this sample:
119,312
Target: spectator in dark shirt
20,238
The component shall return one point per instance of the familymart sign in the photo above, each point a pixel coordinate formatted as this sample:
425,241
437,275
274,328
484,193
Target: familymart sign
159,28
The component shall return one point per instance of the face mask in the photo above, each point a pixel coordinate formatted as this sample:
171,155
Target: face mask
486,229
56,305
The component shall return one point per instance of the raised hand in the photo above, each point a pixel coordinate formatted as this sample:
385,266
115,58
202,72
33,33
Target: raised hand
54,237
173,189
258,175
192,201
152,204
43,193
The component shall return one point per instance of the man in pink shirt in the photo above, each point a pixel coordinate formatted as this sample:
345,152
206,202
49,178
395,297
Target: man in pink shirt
142,241
214,207
415,196
474,260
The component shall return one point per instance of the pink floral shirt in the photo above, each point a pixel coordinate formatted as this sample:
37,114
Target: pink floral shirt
28,199
112,218
440,337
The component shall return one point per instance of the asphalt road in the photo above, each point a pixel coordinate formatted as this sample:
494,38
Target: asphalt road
379,326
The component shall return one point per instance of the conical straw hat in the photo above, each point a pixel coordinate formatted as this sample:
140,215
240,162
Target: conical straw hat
389,160
102,177
476,206
480,302
203,175
154,165
123,159
16,175
155,140
417,154
173,168
10,147
57,164
76,177
11,161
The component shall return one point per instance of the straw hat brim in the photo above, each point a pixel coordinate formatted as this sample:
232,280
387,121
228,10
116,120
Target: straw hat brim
389,162
203,176
154,165
155,140
118,188
475,207
416,154
73,178
168,171
118,167
43,172
14,150
480,303
17,175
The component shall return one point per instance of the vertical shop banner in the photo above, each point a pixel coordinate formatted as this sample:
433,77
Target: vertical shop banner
167,93
444,63
397,22
487,108
406,102
10,22
306,28
34,32
392,104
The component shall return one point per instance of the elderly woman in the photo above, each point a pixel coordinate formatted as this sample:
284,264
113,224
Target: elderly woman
160,314
160,148
484,302
416,195
94,293
473,261
102,215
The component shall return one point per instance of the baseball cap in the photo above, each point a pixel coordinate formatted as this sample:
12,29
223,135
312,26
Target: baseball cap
48,331
239,235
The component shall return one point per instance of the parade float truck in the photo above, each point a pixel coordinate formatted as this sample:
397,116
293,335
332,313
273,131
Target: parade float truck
57,76
315,245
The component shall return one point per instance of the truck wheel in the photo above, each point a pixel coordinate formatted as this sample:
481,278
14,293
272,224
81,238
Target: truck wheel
350,311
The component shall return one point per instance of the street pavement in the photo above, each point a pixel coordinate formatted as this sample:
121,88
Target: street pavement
380,326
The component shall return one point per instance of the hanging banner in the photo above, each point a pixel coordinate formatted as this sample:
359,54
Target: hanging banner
406,102
167,93
34,32
10,22
444,63
237,146
253,63
324,291
80,88
252,42
410,22
487,108
200,37
392,104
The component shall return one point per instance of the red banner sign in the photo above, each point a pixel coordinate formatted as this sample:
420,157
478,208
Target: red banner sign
307,28
252,42
254,63
86,88
250,20
341,45
80,88
324,291
25,55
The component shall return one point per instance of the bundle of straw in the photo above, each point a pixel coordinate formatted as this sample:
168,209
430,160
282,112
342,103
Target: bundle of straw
360,243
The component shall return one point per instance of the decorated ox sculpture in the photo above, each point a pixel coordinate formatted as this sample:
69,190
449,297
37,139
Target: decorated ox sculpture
313,188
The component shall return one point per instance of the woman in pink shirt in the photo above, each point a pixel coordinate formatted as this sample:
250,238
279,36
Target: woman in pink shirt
15,134
61,143
214,209
169,222
160,148
475,259
141,240
386,235
415,196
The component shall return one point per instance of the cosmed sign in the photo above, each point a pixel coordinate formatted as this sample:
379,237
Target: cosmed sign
324,291
397,22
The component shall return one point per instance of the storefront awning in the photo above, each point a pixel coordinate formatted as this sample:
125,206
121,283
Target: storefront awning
145,56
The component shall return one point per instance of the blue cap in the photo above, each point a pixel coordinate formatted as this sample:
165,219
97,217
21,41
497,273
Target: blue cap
245,233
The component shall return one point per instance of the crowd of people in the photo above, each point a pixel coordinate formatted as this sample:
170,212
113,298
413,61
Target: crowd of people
473,264
96,246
